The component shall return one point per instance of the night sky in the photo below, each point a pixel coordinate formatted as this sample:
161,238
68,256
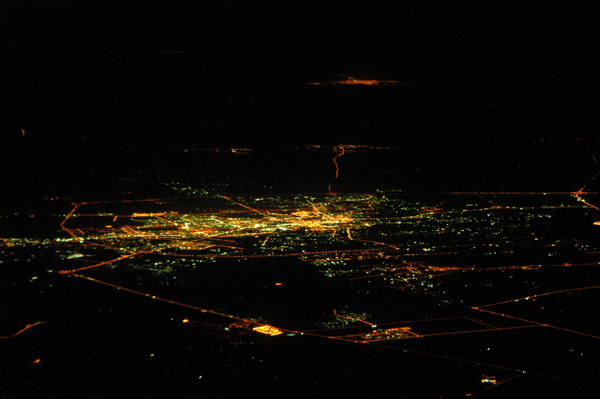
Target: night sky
132,82
165,76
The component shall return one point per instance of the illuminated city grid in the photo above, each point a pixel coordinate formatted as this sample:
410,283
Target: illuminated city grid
404,244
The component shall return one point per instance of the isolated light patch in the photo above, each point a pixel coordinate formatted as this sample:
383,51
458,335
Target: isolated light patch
268,330
352,81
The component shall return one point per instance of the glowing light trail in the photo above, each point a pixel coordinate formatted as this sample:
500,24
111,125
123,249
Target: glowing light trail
21,331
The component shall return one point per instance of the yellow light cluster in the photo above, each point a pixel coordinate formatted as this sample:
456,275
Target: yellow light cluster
268,330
